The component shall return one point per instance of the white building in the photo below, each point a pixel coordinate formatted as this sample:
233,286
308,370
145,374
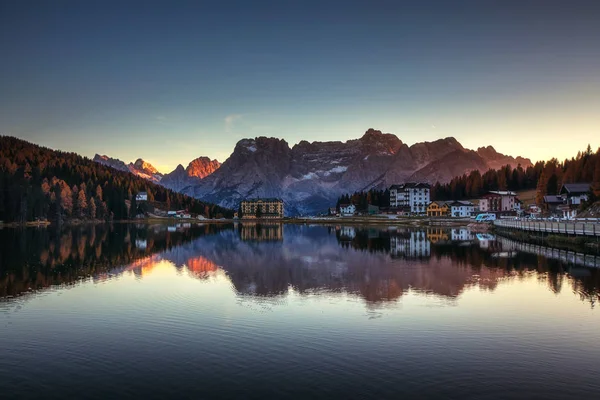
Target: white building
141,196
461,208
411,196
347,209
497,201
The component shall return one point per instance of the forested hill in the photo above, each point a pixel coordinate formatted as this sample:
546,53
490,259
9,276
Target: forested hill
546,177
40,183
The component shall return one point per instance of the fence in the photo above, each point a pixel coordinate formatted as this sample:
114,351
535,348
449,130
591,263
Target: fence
564,228
566,256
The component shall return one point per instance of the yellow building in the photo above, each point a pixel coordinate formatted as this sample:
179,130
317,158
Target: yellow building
435,235
438,209
269,208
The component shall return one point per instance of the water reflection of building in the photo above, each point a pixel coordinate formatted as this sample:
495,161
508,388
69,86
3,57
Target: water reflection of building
261,232
461,234
410,245
346,232
437,234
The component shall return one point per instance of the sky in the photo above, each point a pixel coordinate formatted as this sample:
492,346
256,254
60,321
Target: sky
171,81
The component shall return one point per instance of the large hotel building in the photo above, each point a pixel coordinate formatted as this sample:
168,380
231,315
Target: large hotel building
269,208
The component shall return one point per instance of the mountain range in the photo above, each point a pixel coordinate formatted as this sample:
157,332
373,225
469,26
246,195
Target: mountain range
176,180
309,177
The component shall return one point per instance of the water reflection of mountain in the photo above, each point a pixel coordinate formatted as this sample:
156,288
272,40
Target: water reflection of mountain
379,265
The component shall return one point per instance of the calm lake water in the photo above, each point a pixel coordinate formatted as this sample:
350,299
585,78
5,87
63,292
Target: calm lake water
288,311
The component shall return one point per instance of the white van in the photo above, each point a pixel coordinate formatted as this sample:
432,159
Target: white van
485,217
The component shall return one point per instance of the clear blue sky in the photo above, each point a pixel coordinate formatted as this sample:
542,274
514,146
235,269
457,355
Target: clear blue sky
170,81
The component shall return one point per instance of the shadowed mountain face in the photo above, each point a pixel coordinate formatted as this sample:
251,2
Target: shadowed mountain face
309,177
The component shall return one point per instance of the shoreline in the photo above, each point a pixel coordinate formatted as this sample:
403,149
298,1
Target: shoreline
366,220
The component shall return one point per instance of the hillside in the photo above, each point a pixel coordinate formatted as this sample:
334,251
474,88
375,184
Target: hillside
40,183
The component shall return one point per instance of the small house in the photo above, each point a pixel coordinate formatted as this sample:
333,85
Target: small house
141,196
552,202
574,194
461,208
438,209
347,209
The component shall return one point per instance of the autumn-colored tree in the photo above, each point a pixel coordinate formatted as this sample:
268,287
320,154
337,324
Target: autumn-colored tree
92,208
66,199
82,204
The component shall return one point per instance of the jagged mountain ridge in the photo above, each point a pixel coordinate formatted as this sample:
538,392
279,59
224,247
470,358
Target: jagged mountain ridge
176,180
196,170
309,177
140,167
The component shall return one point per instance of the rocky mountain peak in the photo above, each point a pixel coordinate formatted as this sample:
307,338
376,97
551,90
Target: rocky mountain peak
144,166
376,141
110,162
202,167
497,160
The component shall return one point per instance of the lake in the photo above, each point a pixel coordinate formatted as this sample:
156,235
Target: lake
292,311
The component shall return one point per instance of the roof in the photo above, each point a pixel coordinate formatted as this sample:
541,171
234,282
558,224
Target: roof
553,199
461,203
264,199
439,203
411,185
575,188
142,194
345,205
499,193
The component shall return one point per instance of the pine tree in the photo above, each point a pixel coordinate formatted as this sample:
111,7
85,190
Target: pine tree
133,207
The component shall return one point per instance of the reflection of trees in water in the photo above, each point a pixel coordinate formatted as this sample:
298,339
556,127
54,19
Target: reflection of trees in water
308,259
32,259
